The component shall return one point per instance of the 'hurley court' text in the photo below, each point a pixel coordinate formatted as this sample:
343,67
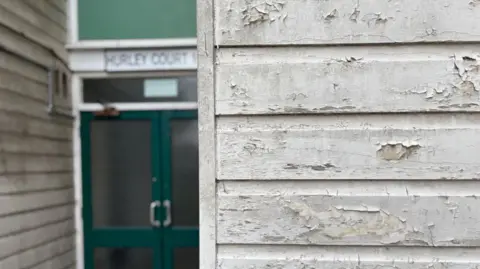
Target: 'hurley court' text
150,60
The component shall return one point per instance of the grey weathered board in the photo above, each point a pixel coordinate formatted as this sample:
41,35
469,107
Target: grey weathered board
346,133
279,22
308,80
341,257
349,213
414,147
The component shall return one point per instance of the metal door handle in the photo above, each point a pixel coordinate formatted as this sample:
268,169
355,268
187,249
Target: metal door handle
153,206
168,207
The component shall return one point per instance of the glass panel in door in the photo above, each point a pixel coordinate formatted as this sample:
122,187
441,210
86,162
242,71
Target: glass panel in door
136,90
184,165
186,258
123,258
121,173
181,191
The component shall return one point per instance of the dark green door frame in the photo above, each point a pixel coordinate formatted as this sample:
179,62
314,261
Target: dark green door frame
162,240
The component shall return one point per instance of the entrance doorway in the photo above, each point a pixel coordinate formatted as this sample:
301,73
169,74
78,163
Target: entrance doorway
140,190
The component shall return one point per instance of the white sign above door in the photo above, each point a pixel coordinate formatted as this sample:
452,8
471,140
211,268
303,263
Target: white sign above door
150,60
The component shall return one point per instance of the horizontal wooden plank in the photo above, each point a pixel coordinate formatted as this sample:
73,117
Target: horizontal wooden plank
346,80
52,123
13,224
12,244
276,257
50,12
12,184
64,261
25,163
60,5
260,22
35,201
39,254
16,43
33,145
36,19
14,102
23,124
23,67
349,213
32,32
433,147
27,79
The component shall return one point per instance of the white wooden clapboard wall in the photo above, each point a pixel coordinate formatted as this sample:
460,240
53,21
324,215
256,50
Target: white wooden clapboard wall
338,134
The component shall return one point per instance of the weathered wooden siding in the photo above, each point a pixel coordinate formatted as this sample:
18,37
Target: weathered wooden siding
346,133
292,257
279,22
36,186
317,147
349,213
347,79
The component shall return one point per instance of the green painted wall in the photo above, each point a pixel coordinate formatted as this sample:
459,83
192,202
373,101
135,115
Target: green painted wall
136,19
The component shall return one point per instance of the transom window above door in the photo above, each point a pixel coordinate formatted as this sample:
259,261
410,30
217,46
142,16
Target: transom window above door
140,89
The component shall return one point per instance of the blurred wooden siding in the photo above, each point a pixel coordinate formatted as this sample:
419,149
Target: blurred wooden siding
36,185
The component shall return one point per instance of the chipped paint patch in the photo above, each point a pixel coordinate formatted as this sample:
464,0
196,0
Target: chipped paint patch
394,151
465,84
375,19
301,110
346,221
354,15
318,167
474,3
238,92
467,69
332,15
263,11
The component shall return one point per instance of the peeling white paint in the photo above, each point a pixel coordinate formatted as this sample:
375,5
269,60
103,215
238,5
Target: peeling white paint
346,22
341,257
416,147
359,156
359,208
347,80
258,11
393,150
346,213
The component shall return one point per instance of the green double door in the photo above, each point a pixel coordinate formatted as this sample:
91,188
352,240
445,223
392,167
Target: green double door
140,190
